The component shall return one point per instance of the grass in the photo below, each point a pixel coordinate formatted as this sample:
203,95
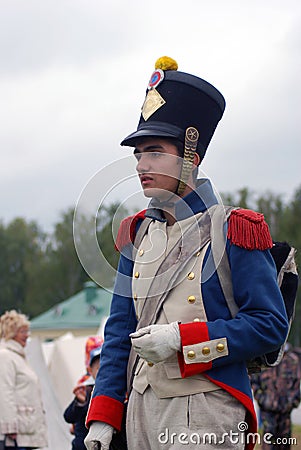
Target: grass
296,433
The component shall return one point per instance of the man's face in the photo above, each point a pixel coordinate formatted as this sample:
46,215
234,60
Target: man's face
158,166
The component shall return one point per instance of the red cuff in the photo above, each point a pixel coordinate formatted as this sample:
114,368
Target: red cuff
105,409
193,333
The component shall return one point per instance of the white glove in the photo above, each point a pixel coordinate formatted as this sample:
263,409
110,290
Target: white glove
99,436
156,343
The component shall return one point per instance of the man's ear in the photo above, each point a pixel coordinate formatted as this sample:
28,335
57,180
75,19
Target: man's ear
197,159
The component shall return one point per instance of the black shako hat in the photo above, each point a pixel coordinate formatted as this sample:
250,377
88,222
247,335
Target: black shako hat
176,101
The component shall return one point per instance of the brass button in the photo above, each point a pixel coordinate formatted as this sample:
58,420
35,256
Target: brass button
150,364
205,350
197,319
135,296
141,252
191,354
198,254
191,299
190,276
220,347
137,275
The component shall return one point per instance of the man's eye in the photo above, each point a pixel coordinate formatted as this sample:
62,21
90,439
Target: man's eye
152,155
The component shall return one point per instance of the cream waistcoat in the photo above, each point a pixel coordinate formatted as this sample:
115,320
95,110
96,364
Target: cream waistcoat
184,304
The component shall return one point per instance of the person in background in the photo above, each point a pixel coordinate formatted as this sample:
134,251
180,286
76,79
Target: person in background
76,412
92,343
22,418
277,391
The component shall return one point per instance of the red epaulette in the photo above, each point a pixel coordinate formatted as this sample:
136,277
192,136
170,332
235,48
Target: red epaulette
248,229
127,230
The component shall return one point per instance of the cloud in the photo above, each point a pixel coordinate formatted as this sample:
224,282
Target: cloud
259,139
35,34
73,76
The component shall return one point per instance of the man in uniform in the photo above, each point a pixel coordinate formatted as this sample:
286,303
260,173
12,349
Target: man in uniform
170,340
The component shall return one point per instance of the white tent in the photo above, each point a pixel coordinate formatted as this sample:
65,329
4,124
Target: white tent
66,365
59,437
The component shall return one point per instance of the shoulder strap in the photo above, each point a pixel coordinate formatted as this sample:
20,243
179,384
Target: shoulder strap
218,248
152,308
288,266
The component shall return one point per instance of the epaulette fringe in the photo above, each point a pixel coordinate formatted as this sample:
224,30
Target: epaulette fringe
248,229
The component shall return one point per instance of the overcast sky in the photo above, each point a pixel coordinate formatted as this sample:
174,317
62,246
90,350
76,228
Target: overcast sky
73,76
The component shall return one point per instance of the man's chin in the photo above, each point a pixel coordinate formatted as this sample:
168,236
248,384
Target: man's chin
158,194
151,192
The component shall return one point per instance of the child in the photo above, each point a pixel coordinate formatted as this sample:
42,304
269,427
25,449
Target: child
76,412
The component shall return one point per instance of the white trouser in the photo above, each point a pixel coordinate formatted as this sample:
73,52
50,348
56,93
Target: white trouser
206,420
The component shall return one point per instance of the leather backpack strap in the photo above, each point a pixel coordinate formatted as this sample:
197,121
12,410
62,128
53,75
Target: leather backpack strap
191,240
133,357
218,247
194,240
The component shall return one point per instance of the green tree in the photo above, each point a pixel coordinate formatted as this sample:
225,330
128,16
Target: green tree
65,272
21,246
109,219
242,198
5,296
272,207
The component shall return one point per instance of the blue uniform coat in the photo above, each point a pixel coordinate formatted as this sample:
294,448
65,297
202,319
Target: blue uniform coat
259,327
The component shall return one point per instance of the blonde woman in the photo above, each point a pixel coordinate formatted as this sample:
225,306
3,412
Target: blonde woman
22,418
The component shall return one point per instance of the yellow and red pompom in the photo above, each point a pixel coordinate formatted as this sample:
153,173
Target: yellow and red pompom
166,63
249,230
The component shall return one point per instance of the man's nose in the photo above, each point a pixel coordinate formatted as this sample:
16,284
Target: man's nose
143,164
